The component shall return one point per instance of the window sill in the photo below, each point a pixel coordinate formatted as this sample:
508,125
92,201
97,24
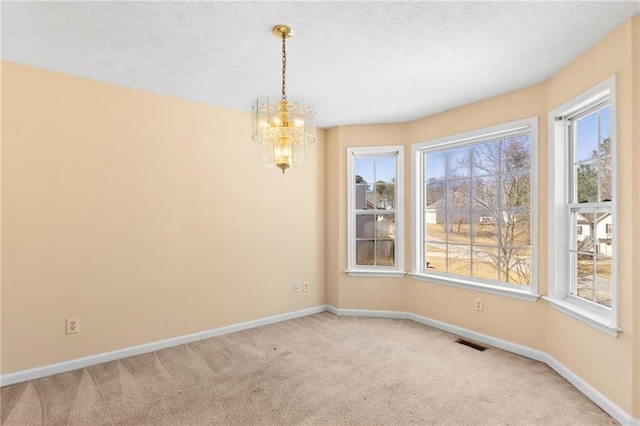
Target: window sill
476,286
595,319
373,273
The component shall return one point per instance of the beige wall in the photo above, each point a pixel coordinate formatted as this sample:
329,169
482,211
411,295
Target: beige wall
601,360
456,306
635,117
146,216
357,292
1,316
332,224
150,217
447,304
607,363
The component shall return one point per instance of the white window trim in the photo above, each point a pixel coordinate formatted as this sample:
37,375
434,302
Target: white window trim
529,293
376,271
558,250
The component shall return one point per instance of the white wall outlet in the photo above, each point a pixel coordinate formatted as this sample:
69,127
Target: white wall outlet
478,304
305,286
296,288
73,325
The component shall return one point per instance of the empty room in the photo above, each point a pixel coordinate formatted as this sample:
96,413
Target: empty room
320,213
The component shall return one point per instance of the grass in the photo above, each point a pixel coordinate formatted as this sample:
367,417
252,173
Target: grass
482,269
485,233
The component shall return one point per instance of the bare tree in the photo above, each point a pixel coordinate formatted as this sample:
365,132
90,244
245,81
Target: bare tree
500,193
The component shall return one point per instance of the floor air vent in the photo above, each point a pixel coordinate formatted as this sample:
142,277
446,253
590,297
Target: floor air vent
472,345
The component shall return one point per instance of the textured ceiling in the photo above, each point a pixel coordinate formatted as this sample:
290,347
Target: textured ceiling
359,62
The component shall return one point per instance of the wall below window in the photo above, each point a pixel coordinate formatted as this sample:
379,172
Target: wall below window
147,217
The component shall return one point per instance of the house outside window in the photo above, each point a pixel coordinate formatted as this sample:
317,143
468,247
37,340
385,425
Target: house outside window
375,211
582,195
474,216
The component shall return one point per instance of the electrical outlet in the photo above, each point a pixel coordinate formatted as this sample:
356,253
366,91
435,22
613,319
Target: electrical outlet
478,304
73,325
305,286
296,288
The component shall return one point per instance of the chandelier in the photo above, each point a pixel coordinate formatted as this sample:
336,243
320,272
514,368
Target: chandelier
282,124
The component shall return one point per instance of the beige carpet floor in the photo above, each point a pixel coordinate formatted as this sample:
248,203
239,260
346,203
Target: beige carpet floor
316,370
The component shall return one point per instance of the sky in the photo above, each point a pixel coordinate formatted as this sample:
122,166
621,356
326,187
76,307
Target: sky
374,169
587,130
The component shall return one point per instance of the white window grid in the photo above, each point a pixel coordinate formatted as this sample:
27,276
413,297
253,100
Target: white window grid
467,139
397,269
560,193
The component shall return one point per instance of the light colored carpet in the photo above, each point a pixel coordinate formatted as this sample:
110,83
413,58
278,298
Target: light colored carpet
316,370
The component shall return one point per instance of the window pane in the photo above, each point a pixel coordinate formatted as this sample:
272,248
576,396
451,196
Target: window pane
459,228
459,162
515,228
516,190
435,193
459,259
516,265
435,225
386,169
603,234
586,137
373,208
386,226
385,196
484,210
435,257
364,253
485,263
459,194
587,182
584,276
485,159
365,225
485,228
605,179
584,235
435,166
605,131
603,281
385,253
485,190
363,197
364,170
516,152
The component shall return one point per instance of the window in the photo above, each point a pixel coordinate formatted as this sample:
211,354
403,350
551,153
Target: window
473,218
375,223
582,199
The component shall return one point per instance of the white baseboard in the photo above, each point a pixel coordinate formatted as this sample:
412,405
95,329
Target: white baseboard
482,338
592,393
74,364
589,391
366,313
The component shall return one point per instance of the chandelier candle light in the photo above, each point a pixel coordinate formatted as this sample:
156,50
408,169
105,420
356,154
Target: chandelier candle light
283,125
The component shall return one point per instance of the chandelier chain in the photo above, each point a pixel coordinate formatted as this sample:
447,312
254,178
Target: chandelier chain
284,67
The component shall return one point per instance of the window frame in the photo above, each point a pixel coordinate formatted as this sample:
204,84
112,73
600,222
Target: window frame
528,293
373,270
560,271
